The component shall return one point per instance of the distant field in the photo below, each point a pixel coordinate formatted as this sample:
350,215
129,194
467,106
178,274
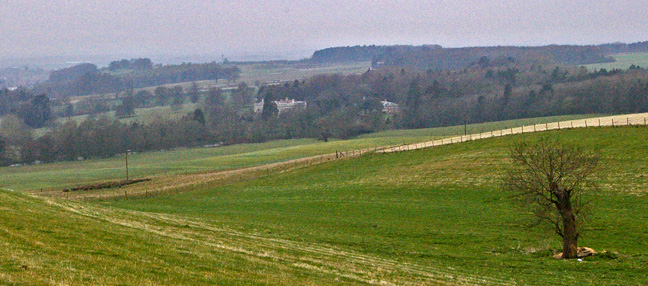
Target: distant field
623,61
143,115
263,73
183,161
274,73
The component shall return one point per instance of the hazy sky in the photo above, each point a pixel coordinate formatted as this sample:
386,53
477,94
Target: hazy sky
275,27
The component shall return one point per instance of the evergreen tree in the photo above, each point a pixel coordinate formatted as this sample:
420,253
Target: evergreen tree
127,107
194,93
413,116
269,107
38,112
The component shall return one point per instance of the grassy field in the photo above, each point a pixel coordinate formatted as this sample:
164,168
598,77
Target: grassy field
48,242
183,161
440,207
277,72
431,216
623,61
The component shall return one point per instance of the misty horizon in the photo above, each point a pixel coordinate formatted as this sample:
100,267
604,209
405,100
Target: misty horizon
279,29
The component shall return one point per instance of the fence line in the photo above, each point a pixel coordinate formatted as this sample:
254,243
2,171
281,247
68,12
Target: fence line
266,170
610,121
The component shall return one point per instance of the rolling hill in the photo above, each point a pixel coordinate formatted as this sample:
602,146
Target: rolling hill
428,216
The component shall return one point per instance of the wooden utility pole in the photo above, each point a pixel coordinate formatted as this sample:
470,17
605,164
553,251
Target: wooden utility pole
127,164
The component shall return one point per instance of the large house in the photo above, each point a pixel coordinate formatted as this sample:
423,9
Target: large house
283,105
390,107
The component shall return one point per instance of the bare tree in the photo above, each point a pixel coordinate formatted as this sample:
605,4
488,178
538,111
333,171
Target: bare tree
550,176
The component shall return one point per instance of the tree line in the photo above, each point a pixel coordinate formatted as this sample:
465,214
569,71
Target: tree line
436,57
338,106
85,79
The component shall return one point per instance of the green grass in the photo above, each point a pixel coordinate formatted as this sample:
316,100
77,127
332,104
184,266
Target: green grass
49,242
433,216
183,161
427,133
623,61
142,115
442,208
273,73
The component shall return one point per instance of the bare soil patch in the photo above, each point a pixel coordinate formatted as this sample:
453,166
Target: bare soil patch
107,185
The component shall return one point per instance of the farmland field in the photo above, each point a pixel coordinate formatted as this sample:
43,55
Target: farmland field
440,207
430,216
623,61
277,72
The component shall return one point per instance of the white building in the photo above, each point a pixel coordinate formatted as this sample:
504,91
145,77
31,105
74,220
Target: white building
390,107
283,105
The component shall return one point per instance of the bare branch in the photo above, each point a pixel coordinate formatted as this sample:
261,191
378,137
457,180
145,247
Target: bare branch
551,177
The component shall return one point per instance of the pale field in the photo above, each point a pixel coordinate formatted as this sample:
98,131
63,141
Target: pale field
623,61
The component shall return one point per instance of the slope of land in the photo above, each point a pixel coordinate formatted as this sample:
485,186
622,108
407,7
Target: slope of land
167,165
440,207
49,242
428,216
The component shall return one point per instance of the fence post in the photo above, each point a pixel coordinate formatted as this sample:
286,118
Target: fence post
612,121
558,125
571,123
546,126
126,195
585,123
599,120
627,121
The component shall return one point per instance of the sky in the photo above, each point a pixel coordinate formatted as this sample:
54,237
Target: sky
278,29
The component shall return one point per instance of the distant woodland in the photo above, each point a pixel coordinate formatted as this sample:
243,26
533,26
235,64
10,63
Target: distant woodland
487,84
85,79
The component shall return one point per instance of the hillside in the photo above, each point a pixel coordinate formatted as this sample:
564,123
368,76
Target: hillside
430,216
166,165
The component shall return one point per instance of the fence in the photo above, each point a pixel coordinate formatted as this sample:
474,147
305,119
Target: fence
266,170
610,121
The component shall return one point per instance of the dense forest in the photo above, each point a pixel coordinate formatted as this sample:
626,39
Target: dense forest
361,53
436,57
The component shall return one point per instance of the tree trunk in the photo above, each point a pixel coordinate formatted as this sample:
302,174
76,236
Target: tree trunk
570,233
